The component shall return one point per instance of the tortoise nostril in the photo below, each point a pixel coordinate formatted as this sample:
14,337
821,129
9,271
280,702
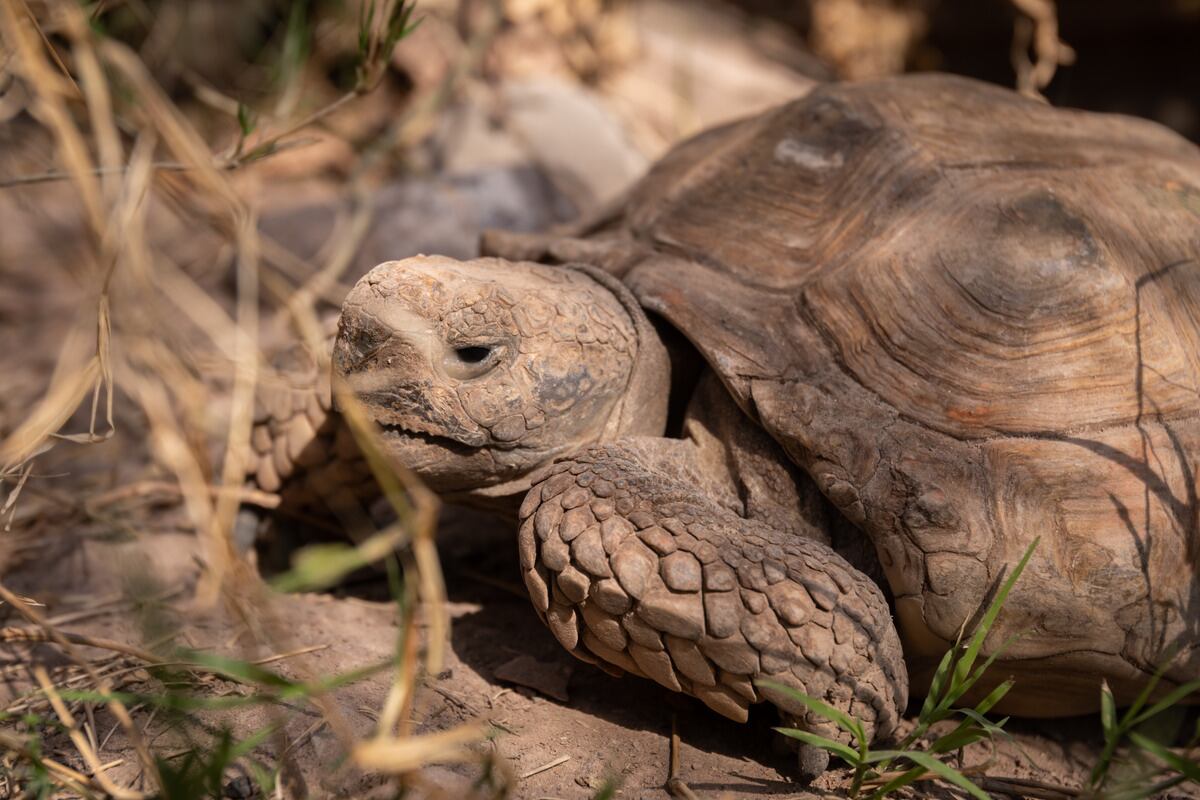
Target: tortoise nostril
472,355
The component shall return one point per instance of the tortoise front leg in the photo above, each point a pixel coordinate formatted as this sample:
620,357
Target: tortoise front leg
634,567
303,451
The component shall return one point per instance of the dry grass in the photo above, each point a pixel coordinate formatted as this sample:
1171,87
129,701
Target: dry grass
1036,29
154,338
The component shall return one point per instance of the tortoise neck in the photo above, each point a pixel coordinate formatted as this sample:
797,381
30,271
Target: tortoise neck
642,409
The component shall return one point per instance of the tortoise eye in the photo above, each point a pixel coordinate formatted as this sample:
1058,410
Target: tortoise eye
471,361
472,355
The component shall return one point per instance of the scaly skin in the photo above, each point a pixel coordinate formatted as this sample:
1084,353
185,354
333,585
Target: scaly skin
702,563
633,568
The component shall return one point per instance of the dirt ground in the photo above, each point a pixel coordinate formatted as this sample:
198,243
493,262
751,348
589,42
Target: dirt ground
100,540
562,728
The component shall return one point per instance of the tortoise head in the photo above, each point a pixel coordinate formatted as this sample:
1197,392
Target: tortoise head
480,372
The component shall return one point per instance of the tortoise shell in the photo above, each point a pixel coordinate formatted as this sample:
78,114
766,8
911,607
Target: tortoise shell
974,320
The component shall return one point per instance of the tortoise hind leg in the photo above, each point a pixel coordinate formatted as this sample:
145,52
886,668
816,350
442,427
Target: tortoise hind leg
637,567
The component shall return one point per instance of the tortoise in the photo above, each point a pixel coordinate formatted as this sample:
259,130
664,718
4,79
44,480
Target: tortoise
794,406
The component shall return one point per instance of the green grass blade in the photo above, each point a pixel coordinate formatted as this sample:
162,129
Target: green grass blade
963,668
966,733
316,567
1156,790
839,718
170,701
1174,696
1186,768
899,782
937,685
947,773
607,791
993,697
262,777
984,722
1108,712
1143,697
1134,790
883,756
234,668
1113,729
981,670
846,753
246,120
247,746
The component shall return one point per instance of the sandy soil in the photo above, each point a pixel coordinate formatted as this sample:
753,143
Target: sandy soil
563,728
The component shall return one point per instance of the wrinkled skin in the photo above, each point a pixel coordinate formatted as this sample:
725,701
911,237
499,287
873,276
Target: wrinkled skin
477,381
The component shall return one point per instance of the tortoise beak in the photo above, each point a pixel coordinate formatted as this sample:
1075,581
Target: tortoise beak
388,359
